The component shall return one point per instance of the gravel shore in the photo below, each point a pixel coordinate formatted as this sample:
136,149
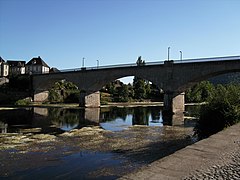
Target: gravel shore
217,157
227,168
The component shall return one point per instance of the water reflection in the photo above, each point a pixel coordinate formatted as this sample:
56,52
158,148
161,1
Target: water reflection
140,116
3,127
64,119
58,120
117,119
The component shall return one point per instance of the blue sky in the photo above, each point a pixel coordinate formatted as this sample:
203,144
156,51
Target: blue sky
62,32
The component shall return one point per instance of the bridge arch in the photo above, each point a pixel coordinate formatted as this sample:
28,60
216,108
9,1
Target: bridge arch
186,85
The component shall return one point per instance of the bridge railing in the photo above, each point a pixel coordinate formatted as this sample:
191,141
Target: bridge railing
111,66
100,67
226,58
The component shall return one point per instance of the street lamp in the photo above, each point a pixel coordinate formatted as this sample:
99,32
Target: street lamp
180,55
97,64
168,53
83,62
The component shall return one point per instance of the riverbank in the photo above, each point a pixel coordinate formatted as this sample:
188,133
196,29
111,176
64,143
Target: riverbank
75,105
217,157
129,104
110,104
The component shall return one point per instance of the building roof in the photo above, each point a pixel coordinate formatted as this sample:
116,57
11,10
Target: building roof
37,61
16,63
54,70
1,59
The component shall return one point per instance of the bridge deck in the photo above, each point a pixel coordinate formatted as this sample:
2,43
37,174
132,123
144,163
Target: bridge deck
160,62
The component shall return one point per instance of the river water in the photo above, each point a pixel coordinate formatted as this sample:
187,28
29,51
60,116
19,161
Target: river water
92,143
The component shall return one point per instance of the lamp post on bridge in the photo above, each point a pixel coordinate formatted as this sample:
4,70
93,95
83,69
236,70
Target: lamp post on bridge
97,64
83,62
168,53
180,55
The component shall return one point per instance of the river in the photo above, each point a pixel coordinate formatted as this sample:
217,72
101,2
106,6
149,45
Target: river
92,143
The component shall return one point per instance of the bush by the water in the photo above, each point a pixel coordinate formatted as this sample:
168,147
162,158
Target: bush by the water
22,102
64,91
222,110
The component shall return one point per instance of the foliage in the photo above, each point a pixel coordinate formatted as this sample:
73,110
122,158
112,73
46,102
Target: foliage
22,102
54,96
64,91
139,88
64,85
123,93
222,110
140,62
118,91
139,83
110,87
71,96
104,102
201,92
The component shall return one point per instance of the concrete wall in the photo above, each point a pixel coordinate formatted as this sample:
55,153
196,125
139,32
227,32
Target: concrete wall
89,100
174,102
178,103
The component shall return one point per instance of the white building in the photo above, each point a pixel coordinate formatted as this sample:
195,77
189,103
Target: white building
37,66
4,68
16,67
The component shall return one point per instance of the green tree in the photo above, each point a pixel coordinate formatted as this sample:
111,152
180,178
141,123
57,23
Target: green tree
139,88
123,93
222,110
64,91
139,83
140,62
148,89
201,92
110,88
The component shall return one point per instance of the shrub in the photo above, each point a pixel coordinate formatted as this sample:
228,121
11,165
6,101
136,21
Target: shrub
221,111
54,96
71,96
22,102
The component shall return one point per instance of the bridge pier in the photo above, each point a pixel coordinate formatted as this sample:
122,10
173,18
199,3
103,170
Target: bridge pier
174,103
89,99
40,95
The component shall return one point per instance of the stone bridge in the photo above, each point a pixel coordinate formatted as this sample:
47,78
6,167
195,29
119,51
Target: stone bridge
173,77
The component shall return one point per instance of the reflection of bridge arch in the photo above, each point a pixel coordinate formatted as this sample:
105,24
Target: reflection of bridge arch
174,77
